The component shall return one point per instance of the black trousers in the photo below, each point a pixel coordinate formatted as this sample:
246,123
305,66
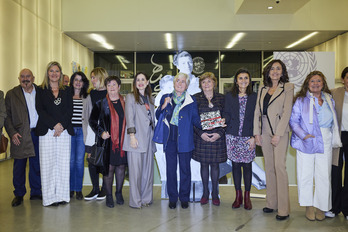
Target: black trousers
339,192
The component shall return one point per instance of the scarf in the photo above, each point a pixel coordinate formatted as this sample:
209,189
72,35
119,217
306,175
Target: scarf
178,100
114,128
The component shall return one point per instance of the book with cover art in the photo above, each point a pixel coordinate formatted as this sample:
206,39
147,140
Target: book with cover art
211,119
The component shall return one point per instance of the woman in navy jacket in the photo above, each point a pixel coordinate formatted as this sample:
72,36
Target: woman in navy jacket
239,114
181,114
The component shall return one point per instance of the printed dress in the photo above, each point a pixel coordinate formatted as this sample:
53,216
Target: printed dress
237,146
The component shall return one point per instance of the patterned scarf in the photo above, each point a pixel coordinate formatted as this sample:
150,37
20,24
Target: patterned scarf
178,100
114,128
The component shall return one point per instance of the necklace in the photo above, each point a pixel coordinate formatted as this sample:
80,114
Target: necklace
57,101
210,104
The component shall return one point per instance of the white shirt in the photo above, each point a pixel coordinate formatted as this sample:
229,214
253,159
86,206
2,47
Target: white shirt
344,125
30,99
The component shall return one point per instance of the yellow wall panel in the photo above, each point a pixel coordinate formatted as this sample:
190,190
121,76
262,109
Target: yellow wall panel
30,36
56,12
44,51
29,41
74,51
66,54
30,5
44,10
56,45
10,45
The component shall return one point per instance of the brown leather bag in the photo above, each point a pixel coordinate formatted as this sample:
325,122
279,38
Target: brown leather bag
3,143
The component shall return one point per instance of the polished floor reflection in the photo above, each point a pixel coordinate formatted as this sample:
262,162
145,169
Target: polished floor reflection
95,216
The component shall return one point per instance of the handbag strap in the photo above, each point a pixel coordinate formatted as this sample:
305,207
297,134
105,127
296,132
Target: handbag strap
102,113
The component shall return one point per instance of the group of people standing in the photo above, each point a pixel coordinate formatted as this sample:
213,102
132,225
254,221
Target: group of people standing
56,125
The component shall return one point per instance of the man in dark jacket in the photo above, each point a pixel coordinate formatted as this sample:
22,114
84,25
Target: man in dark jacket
20,125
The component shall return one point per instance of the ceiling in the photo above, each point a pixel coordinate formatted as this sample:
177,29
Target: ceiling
213,40
202,41
279,6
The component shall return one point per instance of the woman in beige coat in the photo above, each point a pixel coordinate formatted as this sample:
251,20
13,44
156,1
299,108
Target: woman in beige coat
138,142
271,130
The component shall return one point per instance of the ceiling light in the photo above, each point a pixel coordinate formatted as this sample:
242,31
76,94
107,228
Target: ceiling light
169,40
98,38
270,7
107,46
235,39
302,39
102,41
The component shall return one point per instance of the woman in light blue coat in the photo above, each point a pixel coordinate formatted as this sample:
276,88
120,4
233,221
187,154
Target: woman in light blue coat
315,133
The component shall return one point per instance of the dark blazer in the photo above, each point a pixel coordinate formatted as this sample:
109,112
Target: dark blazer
50,114
17,121
188,117
232,115
210,152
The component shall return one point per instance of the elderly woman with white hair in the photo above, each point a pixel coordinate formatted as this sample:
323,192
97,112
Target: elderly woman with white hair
180,115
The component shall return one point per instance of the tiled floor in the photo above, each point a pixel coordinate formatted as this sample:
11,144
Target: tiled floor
95,216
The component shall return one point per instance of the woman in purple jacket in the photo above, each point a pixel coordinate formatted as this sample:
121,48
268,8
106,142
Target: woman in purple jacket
315,133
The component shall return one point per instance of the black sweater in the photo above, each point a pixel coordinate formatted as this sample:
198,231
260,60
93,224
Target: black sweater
51,110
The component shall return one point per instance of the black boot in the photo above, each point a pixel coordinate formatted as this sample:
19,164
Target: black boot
119,198
109,201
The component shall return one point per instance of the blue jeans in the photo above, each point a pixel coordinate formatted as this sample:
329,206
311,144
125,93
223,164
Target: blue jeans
77,160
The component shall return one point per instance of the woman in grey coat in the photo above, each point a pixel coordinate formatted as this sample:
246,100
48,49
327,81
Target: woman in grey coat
138,142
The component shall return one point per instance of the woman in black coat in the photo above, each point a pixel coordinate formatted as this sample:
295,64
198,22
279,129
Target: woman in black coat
239,112
108,122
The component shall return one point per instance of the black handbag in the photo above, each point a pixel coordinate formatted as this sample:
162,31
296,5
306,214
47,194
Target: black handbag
97,152
97,155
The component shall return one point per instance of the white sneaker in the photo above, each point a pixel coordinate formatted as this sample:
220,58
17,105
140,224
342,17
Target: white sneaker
330,214
347,217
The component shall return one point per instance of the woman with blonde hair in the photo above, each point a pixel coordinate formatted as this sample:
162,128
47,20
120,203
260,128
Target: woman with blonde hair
55,107
98,76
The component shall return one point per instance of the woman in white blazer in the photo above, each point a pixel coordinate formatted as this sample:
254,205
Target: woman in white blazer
138,142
